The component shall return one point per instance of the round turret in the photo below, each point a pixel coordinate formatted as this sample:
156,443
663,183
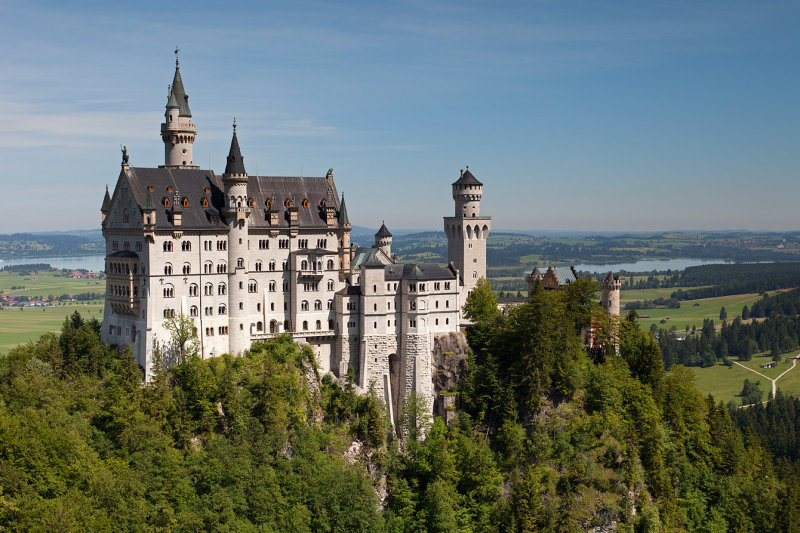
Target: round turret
467,193
383,240
610,294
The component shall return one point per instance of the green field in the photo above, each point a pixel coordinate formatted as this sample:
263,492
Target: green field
47,283
725,383
692,312
19,325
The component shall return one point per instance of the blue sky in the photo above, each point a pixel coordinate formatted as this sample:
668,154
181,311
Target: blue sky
576,115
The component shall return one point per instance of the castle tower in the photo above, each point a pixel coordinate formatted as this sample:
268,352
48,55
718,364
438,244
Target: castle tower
344,240
467,231
609,294
236,212
383,240
177,130
106,207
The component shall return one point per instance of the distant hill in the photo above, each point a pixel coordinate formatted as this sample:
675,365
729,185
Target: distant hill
33,245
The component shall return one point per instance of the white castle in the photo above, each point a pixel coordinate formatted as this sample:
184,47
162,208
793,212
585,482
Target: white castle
250,257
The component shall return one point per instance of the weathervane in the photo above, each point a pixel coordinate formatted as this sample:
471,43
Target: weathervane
176,55
234,125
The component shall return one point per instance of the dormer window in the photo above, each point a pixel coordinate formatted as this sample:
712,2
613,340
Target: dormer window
185,202
305,202
207,190
166,201
250,202
288,202
268,203
205,202
169,188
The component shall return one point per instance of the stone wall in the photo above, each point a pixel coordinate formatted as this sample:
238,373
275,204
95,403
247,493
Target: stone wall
449,361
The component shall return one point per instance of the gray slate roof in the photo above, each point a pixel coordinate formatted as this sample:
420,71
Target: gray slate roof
383,231
235,162
344,220
106,201
191,184
419,271
180,94
467,179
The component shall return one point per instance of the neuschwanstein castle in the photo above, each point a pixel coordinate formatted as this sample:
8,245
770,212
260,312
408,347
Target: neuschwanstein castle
250,257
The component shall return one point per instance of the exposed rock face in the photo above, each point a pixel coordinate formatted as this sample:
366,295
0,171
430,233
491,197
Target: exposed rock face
448,363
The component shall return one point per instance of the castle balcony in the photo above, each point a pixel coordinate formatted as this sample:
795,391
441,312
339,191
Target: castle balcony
317,334
316,275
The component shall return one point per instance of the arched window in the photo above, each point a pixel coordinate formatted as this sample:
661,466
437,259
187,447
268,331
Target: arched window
187,268
193,289
193,310
273,326
305,202
222,289
208,267
474,275
268,203
208,289
207,190
259,326
205,202
305,325
222,267
186,246
185,202
304,265
167,246
169,291
166,201
330,304
258,266
288,202
240,263
304,305
330,264
319,324
252,286
330,284
272,266
168,269
250,204
222,309
317,305
271,286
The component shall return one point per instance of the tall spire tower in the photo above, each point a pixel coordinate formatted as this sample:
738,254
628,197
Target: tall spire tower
178,131
467,231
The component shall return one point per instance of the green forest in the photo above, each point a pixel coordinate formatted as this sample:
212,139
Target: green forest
546,437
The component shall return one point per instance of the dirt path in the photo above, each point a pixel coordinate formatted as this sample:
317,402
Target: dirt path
774,381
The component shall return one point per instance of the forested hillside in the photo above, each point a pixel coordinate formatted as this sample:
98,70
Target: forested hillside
545,438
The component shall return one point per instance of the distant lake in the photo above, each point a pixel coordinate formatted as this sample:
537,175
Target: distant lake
96,263
92,263
647,266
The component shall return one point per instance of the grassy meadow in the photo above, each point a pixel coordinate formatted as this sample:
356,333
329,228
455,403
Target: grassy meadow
693,312
18,325
725,383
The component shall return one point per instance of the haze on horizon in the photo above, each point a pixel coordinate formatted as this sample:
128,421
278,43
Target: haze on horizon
581,116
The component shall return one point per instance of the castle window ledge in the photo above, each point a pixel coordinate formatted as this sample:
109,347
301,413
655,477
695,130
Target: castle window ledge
310,274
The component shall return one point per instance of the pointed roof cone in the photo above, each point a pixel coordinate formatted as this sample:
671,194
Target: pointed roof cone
106,201
179,93
384,231
610,276
149,203
235,164
343,218
172,101
467,179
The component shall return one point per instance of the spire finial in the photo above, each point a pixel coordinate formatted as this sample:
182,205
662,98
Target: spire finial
177,50
234,125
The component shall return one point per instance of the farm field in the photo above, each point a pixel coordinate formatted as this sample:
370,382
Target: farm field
19,325
725,383
48,283
692,312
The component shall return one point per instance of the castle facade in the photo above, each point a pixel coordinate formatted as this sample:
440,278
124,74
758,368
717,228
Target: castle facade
249,257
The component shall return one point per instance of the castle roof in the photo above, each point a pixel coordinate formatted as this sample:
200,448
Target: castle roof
611,276
418,271
467,179
235,161
179,93
344,220
383,231
106,201
192,184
